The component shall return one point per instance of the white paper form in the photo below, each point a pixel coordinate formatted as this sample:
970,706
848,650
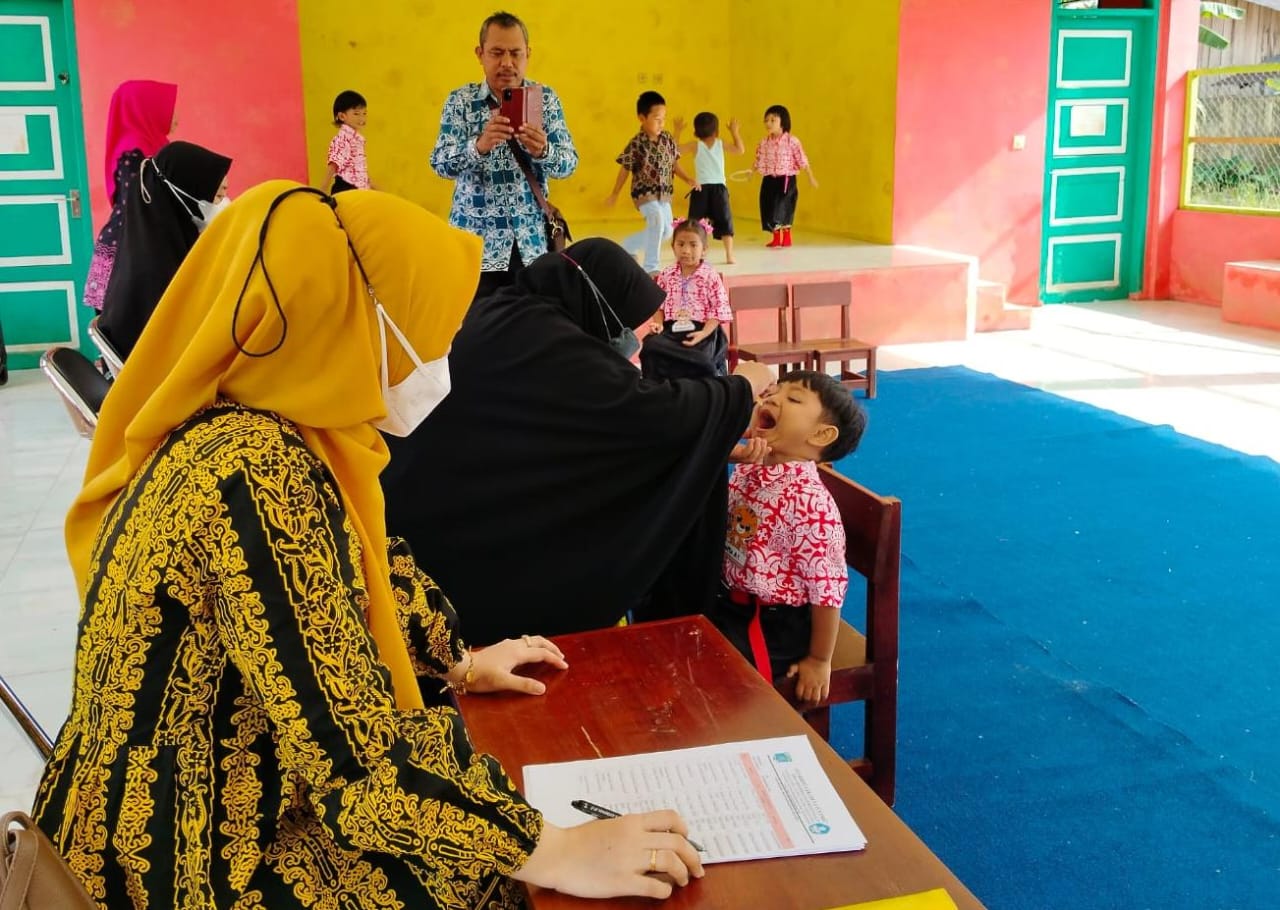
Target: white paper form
741,801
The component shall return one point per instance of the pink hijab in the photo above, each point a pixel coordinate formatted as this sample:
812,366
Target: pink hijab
140,117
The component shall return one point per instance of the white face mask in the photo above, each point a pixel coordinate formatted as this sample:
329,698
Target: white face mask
207,209
211,210
410,401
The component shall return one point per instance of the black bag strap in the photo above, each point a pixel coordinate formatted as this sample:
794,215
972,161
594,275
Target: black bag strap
526,167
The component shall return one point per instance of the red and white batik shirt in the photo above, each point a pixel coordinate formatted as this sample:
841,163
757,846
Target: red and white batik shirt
785,542
346,153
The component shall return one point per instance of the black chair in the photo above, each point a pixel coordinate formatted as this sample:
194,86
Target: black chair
79,383
26,720
113,360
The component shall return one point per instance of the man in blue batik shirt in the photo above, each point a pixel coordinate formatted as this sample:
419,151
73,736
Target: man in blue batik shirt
491,197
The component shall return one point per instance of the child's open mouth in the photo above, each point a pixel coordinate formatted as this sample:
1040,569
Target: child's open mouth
765,420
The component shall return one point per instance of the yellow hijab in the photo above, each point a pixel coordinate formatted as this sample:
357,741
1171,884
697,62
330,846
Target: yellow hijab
324,377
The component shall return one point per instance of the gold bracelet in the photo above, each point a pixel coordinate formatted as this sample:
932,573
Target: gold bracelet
469,677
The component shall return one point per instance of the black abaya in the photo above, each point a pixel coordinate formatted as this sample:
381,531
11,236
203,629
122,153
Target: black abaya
158,233
555,489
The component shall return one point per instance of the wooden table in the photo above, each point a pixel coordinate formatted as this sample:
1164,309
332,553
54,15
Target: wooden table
676,684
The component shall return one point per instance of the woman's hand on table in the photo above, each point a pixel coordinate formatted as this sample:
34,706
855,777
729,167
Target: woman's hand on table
493,666
643,855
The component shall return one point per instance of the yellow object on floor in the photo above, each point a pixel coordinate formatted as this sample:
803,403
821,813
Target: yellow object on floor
929,900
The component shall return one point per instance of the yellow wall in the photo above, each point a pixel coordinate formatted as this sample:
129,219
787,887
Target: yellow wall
834,65
405,56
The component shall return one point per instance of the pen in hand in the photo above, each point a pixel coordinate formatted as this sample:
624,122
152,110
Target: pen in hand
595,811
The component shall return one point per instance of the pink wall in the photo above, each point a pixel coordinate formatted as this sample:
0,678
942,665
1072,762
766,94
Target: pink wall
238,70
1186,262
1203,242
1178,50
971,76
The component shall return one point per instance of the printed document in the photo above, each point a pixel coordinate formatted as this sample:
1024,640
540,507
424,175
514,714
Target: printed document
741,801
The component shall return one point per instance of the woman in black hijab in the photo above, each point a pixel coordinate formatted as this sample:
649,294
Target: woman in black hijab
555,489
178,191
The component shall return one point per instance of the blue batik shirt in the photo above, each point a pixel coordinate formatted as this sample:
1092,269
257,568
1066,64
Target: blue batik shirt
491,198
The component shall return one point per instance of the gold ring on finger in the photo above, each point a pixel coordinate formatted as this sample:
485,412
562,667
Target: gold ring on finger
653,860
527,642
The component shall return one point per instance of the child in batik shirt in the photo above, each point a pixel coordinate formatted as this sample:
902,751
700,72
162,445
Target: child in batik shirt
650,160
785,575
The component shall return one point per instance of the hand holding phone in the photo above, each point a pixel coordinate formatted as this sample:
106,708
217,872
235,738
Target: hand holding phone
522,105
495,133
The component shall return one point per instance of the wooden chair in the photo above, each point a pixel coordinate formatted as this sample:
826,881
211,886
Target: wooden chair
79,383
865,668
843,350
784,352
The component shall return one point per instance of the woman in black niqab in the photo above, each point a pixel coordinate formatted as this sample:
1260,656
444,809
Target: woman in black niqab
160,228
555,489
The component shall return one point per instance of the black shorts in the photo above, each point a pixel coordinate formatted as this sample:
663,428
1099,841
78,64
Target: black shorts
340,186
778,197
712,202
786,630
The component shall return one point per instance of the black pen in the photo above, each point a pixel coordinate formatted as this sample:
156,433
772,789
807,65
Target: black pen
595,811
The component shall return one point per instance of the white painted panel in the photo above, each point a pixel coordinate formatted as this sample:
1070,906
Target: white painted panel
1059,151
55,172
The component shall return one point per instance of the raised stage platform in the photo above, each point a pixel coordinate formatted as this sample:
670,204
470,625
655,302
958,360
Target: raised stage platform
897,294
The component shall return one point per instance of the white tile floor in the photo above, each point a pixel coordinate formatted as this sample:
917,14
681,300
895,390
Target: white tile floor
1157,362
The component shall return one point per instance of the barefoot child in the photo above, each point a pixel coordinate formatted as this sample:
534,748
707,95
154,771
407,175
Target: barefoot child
712,200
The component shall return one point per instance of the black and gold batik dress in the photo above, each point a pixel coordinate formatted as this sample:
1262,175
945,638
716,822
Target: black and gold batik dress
233,739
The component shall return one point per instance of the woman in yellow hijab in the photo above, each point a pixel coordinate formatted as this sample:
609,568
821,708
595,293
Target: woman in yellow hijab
247,727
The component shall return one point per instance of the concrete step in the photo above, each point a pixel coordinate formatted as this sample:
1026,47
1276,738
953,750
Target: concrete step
1251,293
993,313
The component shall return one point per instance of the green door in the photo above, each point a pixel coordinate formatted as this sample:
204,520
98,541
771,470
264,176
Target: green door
45,237
1098,153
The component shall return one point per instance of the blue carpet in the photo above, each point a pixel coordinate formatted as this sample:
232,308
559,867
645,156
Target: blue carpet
1090,648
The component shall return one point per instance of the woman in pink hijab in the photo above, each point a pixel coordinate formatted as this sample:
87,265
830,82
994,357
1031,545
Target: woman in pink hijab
138,125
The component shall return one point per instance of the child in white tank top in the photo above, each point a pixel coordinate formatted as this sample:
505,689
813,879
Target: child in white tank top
711,201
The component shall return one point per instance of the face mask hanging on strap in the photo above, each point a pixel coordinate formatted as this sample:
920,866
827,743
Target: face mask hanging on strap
624,341
207,210
408,402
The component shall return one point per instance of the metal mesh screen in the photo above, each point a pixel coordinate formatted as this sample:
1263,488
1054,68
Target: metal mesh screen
1234,140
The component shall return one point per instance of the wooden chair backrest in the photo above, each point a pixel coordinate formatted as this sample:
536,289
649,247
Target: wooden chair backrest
873,549
822,294
760,297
